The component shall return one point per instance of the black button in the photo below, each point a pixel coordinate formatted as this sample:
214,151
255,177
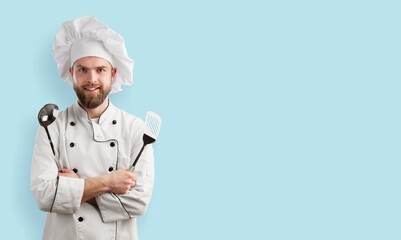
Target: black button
72,123
110,169
75,170
114,122
80,219
112,144
72,144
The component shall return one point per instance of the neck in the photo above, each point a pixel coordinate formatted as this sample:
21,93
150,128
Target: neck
98,111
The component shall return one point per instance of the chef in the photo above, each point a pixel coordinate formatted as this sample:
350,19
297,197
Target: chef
86,186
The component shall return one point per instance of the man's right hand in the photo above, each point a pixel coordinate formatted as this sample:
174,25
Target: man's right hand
118,182
121,181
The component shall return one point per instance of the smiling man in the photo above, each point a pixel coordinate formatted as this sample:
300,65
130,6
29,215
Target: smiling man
92,195
93,77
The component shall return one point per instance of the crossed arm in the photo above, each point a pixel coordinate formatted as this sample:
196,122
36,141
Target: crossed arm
64,192
118,182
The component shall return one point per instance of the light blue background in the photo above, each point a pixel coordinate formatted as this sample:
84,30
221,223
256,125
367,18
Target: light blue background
280,118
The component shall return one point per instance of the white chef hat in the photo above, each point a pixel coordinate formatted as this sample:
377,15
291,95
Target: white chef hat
87,36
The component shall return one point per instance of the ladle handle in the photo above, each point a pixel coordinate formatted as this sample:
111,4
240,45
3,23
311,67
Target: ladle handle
52,146
50,140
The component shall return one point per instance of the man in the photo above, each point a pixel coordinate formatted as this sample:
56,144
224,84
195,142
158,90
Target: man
93,195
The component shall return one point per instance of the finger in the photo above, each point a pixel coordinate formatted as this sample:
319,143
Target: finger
131,175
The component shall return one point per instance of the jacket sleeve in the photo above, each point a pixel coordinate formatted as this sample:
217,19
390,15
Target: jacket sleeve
52,193
115,207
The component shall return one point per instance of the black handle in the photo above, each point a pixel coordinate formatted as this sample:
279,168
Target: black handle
146,140
137,157
50,140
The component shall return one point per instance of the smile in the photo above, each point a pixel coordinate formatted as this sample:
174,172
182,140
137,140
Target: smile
91,89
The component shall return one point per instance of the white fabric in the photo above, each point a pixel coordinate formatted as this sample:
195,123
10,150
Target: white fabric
88,28
92,154
88,47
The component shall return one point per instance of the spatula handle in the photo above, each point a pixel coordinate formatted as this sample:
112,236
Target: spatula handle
137,157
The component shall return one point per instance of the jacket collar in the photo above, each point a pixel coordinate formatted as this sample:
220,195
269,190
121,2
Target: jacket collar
81,113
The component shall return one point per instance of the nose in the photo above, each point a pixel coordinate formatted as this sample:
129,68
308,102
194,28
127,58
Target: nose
92,77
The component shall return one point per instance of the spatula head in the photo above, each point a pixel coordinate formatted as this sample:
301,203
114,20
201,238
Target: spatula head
153,123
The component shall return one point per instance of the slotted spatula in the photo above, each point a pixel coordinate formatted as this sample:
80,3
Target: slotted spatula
152,129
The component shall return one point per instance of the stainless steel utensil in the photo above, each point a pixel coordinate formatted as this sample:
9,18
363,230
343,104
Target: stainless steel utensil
46,116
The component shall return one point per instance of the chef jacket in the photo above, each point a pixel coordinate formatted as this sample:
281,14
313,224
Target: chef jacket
91,149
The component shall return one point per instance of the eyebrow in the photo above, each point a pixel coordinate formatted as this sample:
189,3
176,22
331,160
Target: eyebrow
97,67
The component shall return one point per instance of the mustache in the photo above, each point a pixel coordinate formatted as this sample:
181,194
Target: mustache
92,85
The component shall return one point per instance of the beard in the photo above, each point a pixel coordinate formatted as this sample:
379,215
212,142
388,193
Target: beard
92,100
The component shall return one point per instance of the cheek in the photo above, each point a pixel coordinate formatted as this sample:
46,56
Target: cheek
74,79
79,77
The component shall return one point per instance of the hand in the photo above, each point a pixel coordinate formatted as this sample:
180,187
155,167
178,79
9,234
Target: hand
121,181
65,172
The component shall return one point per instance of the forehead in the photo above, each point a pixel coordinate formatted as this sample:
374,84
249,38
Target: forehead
92,62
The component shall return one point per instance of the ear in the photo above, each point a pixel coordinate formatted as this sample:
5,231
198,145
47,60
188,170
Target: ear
113,74
71,71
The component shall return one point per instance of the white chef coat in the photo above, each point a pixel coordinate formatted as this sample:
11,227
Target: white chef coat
91,149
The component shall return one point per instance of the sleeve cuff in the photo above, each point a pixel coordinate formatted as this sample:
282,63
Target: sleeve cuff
69,195
111,208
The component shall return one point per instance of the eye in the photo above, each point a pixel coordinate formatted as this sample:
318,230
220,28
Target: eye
82,69
101,70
